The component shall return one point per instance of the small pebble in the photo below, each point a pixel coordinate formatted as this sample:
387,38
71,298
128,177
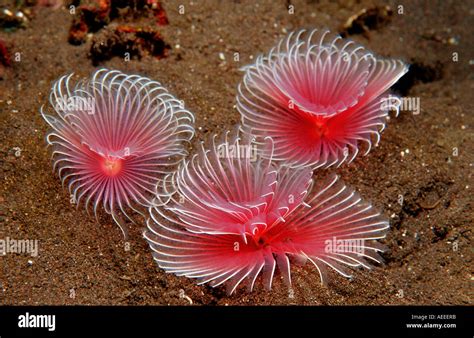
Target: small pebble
453,41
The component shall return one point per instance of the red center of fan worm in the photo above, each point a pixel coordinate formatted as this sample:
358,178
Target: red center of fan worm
313,127
259,239
111,166
320,127
263,236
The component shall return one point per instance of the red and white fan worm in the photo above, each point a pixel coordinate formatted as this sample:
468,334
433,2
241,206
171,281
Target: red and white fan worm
318,96
114,137
236,216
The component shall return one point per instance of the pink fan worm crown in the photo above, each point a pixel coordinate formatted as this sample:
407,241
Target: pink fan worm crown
236,216
318,96
114,137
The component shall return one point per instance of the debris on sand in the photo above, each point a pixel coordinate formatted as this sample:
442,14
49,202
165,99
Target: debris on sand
5,57
93,15
367,20
127,42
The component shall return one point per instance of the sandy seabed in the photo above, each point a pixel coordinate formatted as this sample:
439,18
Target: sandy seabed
425,157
